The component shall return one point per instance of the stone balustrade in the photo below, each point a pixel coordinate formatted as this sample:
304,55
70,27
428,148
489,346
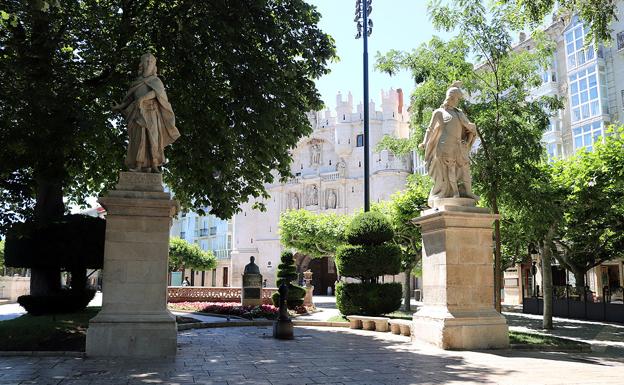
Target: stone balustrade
327,176
212,294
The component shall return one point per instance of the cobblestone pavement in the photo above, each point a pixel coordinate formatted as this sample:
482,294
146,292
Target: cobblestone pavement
317,356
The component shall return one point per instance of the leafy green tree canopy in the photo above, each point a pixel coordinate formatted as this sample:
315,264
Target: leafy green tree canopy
597,14
240,76
316,235
402,207
509,121
591,230
184,255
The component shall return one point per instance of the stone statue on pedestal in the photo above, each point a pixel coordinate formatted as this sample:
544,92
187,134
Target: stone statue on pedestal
251,292
149,117
447,145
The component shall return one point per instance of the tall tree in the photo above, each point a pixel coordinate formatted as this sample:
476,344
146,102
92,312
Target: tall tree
591,230
2,256
240,76
509,122
184,255
316,235
402,207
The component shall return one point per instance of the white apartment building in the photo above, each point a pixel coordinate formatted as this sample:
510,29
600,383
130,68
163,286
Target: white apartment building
591,81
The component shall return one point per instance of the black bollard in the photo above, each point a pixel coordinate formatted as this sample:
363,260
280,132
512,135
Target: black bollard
283,327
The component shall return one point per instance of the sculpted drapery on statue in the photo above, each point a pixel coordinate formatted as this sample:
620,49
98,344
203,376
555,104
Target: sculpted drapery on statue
149,117
447,145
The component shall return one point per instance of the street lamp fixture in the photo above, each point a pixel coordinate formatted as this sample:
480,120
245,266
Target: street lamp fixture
363,10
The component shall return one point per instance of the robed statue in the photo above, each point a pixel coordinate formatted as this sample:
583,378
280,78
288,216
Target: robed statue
149,117
447,145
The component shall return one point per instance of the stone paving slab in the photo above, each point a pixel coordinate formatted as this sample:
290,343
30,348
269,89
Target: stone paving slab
250,355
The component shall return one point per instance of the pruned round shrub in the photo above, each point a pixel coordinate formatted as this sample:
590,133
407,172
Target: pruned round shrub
366,262
287,273
370,299
369,228
64,301
295,297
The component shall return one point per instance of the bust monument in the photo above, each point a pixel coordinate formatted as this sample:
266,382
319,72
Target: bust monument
149,117
251,267
251,292
447,145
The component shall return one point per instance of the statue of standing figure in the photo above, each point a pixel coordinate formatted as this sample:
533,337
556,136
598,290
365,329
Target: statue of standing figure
150,119
447,145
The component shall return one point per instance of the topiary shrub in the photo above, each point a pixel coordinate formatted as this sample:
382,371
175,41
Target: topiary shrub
287,273
64,301
368,298
369,228
366,262
368,256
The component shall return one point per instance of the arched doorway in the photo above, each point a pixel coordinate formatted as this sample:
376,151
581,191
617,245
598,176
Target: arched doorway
323,272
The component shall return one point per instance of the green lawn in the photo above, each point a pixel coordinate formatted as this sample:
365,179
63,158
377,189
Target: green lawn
538,339
61,332
47,333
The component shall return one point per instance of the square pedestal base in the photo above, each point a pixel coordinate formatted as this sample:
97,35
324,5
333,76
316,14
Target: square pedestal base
131,336
461,330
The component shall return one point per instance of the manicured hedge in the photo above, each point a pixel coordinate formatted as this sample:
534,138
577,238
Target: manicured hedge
369,228
370,299
366,262
70,242
295,297
65,301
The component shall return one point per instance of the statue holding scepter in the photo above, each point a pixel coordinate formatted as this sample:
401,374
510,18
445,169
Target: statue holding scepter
150,119
447,145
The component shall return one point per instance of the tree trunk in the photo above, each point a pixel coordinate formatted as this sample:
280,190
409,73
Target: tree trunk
579,277
547,286
49,206
498,276
78,279
407,290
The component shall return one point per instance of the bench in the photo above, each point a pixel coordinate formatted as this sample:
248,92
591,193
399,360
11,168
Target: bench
379,324
400,326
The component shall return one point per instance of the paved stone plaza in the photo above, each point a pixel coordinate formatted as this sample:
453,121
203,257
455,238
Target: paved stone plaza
249,355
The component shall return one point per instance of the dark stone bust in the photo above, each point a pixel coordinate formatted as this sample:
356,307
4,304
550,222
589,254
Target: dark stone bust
251,267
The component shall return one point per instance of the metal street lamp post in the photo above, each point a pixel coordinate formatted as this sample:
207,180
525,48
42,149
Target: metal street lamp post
363,10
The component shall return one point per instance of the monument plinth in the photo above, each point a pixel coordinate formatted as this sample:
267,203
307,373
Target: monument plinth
134,320
251,291
458,280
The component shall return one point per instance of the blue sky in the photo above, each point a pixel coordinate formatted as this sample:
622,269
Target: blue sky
398,24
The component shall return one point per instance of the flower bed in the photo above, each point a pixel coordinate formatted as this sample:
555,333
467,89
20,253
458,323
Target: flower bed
234,309
228,308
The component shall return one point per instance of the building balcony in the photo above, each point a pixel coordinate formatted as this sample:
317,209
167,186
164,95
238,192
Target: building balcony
328,176
203,232
222,253
552,137
546,89
182,234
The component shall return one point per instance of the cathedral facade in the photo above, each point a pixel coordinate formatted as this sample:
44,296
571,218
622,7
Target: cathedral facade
327,176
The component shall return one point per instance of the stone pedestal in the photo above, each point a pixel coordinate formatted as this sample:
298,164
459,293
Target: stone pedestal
251,292
458,280
134,320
